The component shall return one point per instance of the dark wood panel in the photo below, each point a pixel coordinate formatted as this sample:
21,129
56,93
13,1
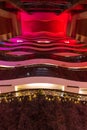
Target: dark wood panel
5,25
81,27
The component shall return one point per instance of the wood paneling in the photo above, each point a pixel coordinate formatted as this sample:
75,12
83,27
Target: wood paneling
5,25
81,27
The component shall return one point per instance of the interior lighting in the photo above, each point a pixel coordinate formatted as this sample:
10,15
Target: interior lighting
19,41
43,41
66,41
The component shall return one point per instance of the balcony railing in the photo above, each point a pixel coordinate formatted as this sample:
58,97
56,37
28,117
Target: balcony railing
49,94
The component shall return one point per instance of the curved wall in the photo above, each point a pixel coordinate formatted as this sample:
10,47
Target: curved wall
48,22
58,81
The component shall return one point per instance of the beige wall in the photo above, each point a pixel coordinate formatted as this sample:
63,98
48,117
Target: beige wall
51,80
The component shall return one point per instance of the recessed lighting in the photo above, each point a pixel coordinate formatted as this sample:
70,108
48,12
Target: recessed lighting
66,41
19,40
43,41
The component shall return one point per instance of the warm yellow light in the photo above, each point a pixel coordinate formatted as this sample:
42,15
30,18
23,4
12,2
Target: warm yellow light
40,85
83,91
43,41
16,88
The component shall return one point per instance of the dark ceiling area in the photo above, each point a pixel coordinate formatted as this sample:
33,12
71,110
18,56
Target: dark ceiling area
57,6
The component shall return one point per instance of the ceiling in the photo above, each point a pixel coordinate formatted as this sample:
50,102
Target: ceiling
57,6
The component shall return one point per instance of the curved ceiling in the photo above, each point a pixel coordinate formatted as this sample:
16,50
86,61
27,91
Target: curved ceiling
57,6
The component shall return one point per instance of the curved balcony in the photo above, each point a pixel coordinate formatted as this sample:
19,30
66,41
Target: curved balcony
43,70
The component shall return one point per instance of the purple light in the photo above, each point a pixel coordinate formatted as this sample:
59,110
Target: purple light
19,41
16,40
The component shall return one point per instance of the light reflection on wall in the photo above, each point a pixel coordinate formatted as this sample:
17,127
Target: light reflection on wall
39,86
47,22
